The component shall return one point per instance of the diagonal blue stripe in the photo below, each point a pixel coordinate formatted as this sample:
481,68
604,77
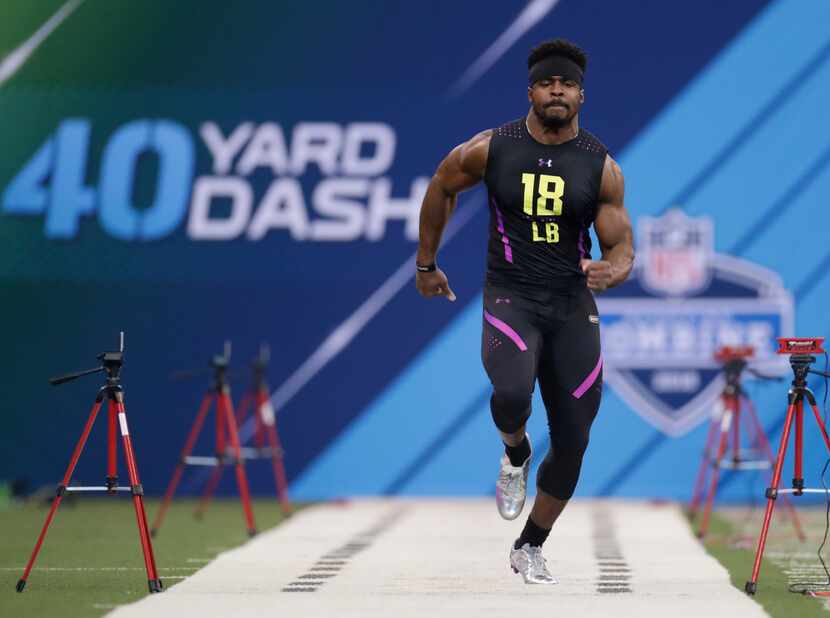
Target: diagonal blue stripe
766,112
632,464
438,444
774,212
684,136
819,272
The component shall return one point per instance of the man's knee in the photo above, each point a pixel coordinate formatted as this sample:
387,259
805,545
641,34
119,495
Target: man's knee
558,473
572,445
510,409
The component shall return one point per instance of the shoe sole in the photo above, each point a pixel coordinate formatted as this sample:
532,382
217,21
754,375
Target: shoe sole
516,516
516,571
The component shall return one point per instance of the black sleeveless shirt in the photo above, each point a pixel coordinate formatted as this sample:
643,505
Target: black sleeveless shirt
542,201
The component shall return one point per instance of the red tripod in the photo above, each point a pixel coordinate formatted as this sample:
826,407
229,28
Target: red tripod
225,422
735,406
117,414
801,357
265,425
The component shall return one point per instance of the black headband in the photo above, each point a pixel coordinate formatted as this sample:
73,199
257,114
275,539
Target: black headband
555,65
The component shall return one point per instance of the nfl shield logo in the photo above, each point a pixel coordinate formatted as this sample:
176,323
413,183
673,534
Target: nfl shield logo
681,303
675,253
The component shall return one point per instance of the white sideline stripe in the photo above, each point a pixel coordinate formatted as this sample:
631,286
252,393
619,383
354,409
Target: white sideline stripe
17,58
343,335
531,15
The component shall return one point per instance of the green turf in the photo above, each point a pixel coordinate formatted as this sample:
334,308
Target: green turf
94,548
732,540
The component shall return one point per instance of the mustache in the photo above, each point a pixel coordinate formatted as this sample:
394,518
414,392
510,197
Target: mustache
557,103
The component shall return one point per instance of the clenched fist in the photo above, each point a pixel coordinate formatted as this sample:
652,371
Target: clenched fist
599,274
434,284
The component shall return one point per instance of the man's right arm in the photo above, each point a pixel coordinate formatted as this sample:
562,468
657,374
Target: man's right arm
462,169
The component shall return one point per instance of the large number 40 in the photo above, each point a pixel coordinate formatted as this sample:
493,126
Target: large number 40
551,189
52,182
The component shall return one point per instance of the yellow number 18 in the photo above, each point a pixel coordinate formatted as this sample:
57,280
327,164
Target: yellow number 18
546,192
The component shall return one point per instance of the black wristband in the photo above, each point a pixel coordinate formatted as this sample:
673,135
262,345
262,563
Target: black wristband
425,268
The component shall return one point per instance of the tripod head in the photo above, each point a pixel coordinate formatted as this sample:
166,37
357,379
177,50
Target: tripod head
801,351
260,364
111,363
801,367
220,364
735,360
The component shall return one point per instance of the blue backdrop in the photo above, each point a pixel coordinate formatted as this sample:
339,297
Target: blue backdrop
254,173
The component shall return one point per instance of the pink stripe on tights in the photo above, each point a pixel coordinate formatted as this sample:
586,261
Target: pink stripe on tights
505,328
508,252
589,381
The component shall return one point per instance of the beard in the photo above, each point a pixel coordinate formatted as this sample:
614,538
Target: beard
553,122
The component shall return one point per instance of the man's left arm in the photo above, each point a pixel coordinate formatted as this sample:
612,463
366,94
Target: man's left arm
613,228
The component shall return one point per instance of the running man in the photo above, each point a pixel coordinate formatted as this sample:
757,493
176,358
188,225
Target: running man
548,181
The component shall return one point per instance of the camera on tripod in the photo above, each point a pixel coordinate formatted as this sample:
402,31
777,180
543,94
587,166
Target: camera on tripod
113,394
801,351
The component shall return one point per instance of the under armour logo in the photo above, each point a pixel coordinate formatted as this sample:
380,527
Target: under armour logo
545,162
502,300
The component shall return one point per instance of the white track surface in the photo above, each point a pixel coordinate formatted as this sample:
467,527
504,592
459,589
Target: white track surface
449,558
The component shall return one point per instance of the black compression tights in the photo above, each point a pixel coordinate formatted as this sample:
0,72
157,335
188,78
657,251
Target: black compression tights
555,338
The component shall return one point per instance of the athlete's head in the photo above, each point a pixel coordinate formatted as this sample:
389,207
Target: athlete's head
556,70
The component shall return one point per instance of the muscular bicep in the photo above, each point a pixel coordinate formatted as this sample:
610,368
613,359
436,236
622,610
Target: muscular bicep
464,166
612,225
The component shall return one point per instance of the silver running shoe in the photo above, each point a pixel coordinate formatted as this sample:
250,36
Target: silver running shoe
531,564
511,487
